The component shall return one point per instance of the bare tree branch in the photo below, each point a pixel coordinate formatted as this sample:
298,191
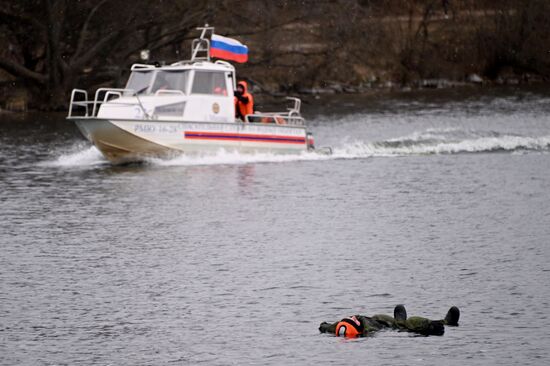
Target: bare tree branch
21,71
6,16
268,28
185,25
93,51
84,30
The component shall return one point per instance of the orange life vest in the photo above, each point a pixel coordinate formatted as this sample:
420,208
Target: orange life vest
349,327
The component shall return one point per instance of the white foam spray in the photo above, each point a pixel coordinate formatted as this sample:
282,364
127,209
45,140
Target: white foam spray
429,142
88,156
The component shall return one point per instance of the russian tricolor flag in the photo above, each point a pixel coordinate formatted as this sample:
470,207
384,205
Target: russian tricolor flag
228,49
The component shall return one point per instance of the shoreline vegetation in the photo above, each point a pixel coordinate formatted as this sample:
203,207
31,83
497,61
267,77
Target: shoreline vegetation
306,48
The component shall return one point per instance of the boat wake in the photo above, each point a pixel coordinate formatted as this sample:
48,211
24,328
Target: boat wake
445,141
429,142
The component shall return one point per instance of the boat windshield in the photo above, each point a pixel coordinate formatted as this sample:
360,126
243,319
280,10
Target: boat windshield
139,81
209,82
171,80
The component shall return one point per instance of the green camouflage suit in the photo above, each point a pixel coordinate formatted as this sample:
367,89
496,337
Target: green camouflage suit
400,322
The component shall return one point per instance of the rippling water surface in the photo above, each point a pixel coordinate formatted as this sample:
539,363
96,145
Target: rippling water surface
429,200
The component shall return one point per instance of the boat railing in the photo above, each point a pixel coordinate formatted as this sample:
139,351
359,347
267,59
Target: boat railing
279,118
200,49
295,109
78,103
291,117
101,96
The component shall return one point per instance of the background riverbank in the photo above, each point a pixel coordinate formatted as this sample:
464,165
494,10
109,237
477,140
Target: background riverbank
297,47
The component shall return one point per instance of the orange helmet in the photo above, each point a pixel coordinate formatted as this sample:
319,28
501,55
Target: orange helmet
350,328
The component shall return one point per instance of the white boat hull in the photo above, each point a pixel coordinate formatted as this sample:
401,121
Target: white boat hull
123,141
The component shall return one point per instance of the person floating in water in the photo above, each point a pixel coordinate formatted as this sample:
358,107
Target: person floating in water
359,325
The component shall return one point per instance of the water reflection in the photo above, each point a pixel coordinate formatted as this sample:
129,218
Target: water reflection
245,176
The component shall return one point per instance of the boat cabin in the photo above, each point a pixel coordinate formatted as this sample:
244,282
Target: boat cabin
200,91
195,90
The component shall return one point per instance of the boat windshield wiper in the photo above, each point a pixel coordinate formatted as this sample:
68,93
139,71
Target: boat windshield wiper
136,94
142,89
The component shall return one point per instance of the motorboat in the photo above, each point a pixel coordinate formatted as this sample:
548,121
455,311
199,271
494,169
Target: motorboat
186,107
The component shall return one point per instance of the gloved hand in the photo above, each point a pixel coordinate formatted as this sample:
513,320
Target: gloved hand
241,98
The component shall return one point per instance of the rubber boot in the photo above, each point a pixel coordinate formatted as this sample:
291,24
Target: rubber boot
452,317
400,313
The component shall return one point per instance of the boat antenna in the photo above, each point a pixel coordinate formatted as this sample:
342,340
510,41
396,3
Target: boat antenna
202,44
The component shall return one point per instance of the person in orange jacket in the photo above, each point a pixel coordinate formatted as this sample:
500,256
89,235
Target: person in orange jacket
244,102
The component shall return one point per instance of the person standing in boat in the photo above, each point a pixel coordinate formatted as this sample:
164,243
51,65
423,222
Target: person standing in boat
244,102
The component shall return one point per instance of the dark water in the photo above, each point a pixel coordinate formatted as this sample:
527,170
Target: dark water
430,200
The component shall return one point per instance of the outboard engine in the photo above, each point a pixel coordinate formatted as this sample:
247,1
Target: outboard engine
310,141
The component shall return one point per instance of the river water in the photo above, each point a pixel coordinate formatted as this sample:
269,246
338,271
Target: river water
430,200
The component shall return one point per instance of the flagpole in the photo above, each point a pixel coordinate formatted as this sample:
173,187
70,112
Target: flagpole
198,46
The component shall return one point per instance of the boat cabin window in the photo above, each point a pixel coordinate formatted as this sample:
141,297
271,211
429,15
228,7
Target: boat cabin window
209,82
139,81
170,80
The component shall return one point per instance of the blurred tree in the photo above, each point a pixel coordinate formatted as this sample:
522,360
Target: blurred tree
52,43
517,36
